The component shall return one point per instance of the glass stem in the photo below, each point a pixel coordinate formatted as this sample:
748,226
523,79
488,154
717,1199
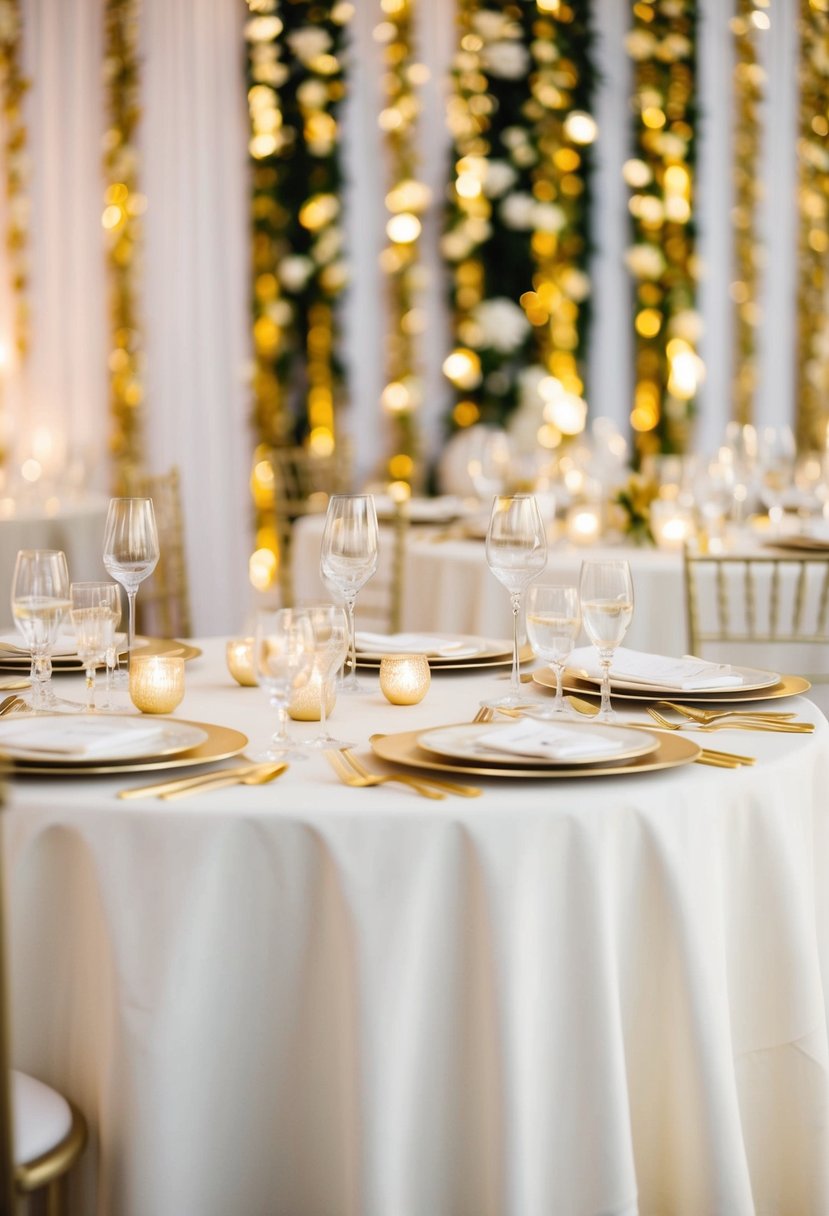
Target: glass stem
323,707
606,658
352,635
558,706
90,687
515,683
131,635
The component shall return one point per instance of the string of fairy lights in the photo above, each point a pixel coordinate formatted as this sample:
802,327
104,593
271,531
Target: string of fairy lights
13,87
747,27
406,201
121,219
813,231
662,258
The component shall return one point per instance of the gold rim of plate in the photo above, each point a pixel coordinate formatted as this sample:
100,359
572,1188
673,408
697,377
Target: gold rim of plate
62,663
672,751
494,658
787,686
221,743
647,743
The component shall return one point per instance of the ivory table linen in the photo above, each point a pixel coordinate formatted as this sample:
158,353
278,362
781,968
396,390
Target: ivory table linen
558,999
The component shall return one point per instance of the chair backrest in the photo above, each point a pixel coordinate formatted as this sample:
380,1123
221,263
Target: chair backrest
302,485
380,603
163,602
758,598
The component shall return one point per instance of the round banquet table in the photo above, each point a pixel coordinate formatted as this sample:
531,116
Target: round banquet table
565,996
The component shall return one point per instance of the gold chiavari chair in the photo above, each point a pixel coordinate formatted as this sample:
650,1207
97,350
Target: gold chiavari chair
163,605
302,485
380,605
760,600
42,1134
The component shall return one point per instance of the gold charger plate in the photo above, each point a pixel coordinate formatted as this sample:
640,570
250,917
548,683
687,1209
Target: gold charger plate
497,658
71,662
788,686
222,742
672,751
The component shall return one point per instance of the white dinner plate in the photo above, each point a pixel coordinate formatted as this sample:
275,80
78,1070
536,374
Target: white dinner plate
463,742
752,678
467,648
95,738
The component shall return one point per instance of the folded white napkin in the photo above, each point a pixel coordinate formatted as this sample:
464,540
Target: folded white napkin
81,738
550,741
636,667
413,643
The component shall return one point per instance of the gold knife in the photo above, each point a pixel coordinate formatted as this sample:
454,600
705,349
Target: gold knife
153,791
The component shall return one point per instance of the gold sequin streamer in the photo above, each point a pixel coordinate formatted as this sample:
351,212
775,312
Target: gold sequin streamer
121,219
748,85
813,238
12,93
662,260
406,200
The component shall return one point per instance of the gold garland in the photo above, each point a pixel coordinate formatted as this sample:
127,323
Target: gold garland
124,206
14,88
748,82
813,237
406,200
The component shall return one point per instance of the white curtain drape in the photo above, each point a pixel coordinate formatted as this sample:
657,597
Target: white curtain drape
195,273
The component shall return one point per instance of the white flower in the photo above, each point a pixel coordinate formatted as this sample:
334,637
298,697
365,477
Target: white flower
640,44
507,60
499,176
309,42
312,94
529,393
575,284
294,272
547,217
518,211
645,261
502,323
512,137
687,325
490,25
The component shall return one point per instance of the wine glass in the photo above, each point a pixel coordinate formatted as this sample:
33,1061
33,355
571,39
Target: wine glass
130,549
39,599
283,656
329,626
553,624
348,558
95,610
606,594
516,553
776,465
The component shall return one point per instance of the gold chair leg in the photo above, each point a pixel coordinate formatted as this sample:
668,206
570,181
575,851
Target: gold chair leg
55,1196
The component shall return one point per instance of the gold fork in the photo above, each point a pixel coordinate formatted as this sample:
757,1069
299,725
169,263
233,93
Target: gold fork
349,776
450,787
708,755
713,715
789,728
485,714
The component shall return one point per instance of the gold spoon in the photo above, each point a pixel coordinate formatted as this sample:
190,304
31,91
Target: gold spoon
260,776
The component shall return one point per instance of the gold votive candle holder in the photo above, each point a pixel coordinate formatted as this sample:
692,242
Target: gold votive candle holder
305,702
156,682
404,678
239,656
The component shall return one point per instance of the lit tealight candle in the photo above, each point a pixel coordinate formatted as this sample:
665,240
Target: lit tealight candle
239,655
671,524
156,682
584,524
404,678
304,705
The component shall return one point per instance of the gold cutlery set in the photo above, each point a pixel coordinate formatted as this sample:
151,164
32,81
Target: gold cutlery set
183,787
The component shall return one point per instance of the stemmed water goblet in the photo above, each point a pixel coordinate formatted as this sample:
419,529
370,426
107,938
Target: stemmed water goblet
553,624
348,559
776,466
130,549
606,595
516,553
95,611
329,625
39,600
283,657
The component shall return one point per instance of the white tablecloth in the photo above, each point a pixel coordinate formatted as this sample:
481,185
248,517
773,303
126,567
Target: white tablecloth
564,997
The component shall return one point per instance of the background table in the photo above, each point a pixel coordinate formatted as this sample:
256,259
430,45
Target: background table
596,996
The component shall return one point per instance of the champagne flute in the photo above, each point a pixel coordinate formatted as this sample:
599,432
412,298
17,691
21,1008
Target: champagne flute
329,625
95,609
553,624
348,558
516,553
130,549
39,599
606,594
283,656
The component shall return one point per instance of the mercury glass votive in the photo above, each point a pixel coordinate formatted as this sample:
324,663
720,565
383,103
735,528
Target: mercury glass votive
239,656
156,682
404,678
304,705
